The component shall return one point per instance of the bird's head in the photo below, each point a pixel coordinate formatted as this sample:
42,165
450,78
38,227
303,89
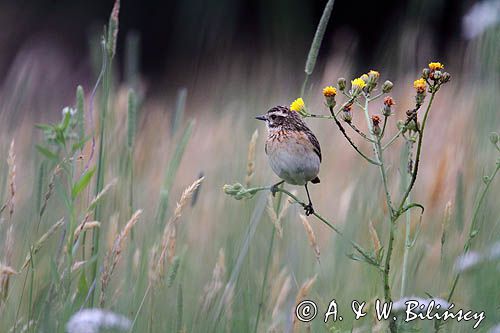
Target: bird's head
278,117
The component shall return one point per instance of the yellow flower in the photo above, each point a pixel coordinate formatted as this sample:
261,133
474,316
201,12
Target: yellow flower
364,77
420,85
329,91
374,74
436,66
358,84
298,105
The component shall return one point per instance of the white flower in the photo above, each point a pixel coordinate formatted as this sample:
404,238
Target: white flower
70,110
93,320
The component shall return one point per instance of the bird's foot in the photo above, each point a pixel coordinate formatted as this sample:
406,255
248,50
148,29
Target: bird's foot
274,188
309,209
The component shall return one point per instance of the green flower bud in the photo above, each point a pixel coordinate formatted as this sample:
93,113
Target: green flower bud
342,83
445,77
425,73
347,116
494,137
387,87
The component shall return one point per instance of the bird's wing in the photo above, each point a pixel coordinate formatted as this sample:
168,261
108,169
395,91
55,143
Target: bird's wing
315,143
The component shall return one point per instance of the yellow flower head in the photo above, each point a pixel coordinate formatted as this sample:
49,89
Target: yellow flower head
374,74
358,84
436,66
329,91
298,105
364,77
420,85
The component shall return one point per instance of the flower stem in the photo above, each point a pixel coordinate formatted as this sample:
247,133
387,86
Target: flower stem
419,149
377,148
341,128
406,179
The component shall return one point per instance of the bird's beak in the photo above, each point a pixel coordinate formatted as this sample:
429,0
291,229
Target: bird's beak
261,117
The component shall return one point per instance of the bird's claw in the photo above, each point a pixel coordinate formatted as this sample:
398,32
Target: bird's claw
309,209
273,190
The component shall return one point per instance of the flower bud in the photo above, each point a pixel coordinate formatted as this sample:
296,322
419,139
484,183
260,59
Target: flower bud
494,137
425,73
388,103
346,113
342,83
347,116
445,77
437,75
400,124
387,87
376,125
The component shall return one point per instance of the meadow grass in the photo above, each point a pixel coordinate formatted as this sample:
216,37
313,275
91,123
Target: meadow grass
137,231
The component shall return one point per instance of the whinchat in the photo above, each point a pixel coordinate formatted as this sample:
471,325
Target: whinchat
293,150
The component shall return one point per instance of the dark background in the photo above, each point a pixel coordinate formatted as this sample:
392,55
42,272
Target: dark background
191,34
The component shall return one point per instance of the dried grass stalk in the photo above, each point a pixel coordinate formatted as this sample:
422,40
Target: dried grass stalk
42,241
251,158
310,235
170,232
286,287
274,217
50,189
114,255
4,275
301,295
4,269
11,162
212,288
84,226
99,196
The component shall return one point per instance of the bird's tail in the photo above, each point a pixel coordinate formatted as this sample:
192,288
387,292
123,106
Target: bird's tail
315,180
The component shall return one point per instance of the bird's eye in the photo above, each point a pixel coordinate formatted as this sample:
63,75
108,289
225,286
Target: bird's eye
273,117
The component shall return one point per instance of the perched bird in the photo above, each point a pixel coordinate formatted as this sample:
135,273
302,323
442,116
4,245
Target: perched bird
293,150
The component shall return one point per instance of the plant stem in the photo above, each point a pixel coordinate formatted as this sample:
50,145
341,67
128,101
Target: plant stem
100,167
316,43
377,148
363,135
341,128
406,179
393,139
268,263
472,233
419,149
356,246
473,227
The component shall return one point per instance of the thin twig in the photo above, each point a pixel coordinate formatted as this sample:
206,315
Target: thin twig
363,135
341,128
393,139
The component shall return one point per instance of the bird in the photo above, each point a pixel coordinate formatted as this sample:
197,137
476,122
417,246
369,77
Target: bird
293,150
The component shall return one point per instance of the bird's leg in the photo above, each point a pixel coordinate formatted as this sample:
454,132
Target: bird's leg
309,207
274,188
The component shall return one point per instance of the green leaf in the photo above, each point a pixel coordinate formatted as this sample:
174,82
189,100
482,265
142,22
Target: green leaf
47,153
65,121
44,127
82,183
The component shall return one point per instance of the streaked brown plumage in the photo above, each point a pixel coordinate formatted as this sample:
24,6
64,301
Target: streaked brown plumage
293,149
